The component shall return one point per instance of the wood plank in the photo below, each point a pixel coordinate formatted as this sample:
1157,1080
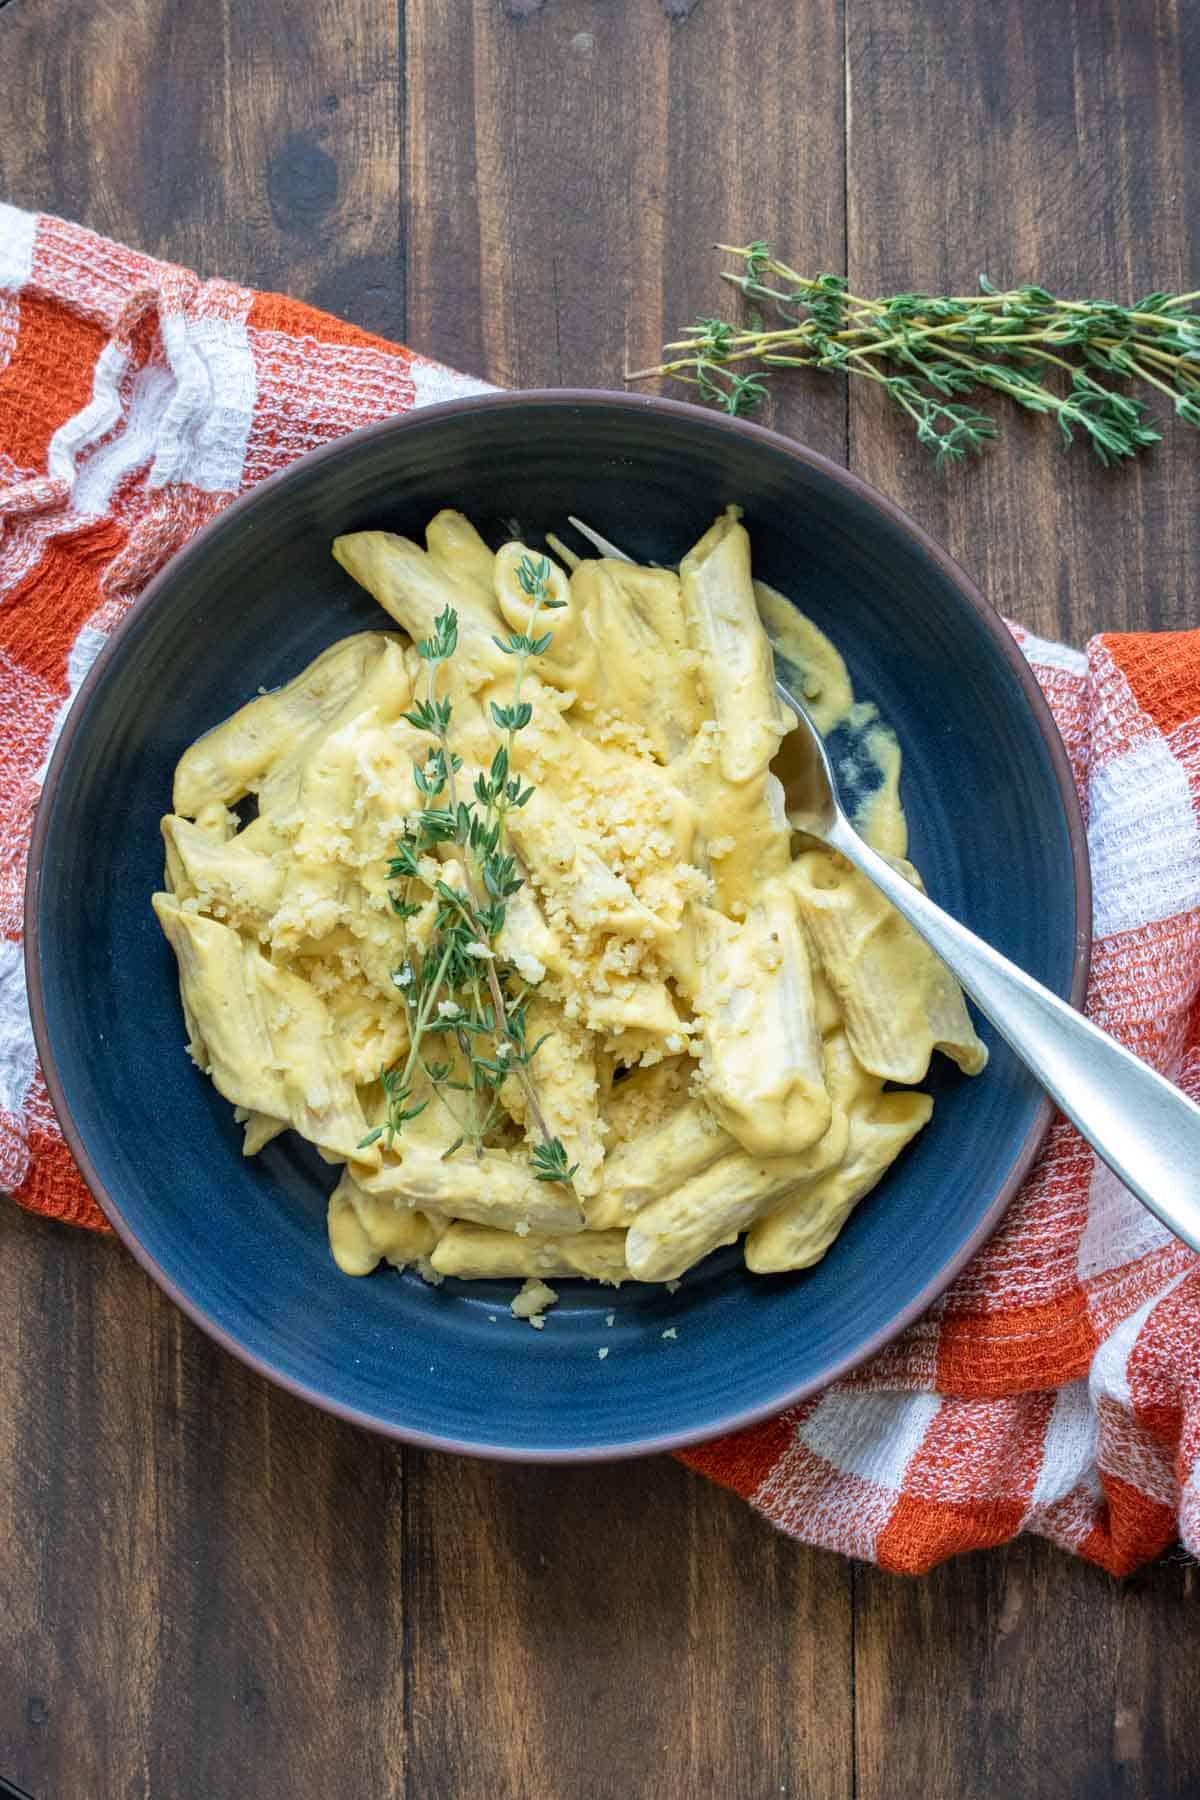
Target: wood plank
201,1577
618,1631
260,143
209,1479
1045,143
1024,1673
570,165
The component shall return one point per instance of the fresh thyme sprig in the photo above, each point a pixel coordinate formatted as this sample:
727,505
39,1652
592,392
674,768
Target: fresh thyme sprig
455,984
929,351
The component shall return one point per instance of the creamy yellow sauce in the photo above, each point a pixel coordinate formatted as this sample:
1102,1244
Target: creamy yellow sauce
866,751
718,1004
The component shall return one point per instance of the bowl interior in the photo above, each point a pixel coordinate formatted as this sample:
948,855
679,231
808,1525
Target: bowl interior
242,1243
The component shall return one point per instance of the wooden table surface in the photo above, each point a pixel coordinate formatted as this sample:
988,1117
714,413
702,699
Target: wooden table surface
206,1588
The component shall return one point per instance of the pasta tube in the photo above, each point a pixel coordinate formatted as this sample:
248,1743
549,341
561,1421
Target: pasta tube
231,760
258,1130
657,1162
672,1233
901,1003
365,1230
217,821
566,868
527,941
746,837
626,651
266,1034
317,883
516,605
382,695
798,1233
478,1253
762,1066
564,1072
371,1028
415,588
453,542
240,881
492,1189
638,1013
735,663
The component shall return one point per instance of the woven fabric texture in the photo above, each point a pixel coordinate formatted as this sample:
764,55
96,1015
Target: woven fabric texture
1055,1388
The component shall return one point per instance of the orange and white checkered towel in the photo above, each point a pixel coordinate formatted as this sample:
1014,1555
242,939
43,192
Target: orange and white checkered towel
1056,1387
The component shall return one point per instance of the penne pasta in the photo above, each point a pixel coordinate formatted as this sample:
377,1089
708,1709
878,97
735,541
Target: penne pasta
715,1206
515,937
454,543
656,1162
626,653
365,1230
727,769
571,876
493,1189
415,587
383,692
236,881
514,600
900,1002
258,1130
564,1066
266,1034
798,1233
763,1071
734,665
479,1253
231,760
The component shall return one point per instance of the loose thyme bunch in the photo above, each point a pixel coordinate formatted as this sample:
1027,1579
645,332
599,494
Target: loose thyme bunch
456,986
930,351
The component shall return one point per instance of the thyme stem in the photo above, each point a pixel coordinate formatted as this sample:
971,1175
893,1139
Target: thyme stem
931,351
446,979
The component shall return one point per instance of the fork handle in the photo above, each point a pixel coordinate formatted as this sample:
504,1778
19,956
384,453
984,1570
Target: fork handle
1138,1123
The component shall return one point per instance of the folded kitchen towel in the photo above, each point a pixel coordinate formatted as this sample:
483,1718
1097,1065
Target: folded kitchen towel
1055,1388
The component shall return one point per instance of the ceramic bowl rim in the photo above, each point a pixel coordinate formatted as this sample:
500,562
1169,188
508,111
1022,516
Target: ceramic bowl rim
348,445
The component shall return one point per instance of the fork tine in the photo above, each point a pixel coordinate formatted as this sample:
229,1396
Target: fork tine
596,541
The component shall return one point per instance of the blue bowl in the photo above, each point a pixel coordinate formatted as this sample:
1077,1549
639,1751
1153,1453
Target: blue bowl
241,1244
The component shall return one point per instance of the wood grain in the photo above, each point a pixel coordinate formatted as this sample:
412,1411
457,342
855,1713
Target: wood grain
206,1587
569,168
1022,1673
258,142
564,177
619,1632
1049,143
